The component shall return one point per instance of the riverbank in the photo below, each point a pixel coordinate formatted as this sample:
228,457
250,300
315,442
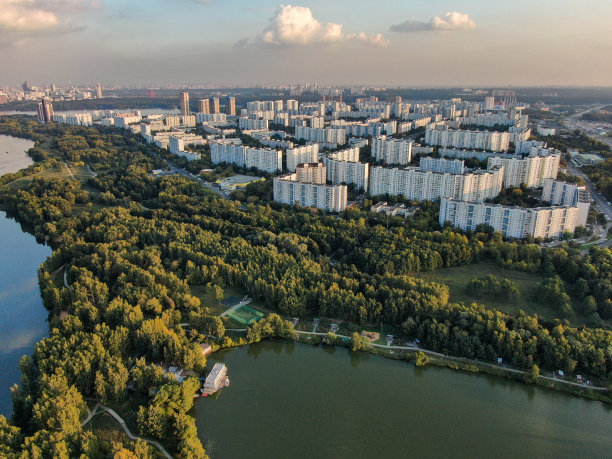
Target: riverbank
408,353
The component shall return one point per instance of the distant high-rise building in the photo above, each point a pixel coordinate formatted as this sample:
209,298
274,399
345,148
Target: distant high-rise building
98,90
203,106
214,105
26,86
53,88
45,111
230,106
184,103
489,103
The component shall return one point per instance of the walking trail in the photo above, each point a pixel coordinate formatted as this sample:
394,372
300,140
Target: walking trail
99,408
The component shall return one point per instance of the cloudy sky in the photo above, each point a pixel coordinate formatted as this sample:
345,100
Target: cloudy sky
392,42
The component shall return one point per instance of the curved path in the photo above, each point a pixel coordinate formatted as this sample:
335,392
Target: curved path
123,425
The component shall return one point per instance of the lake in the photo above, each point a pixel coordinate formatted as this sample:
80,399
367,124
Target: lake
23,316
295,400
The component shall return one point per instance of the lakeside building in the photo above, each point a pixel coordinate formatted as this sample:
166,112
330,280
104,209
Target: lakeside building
289,190
531,170
392,151
513,222
441,165
560,193
421,185
216,379
484,140
299,155
98,90
325,135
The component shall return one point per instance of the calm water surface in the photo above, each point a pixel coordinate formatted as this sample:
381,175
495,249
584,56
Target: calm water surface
22,314
289,400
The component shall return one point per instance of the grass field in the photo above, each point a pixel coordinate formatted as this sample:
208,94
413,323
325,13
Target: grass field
457,279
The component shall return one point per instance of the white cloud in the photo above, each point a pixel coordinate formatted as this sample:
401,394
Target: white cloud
19,16
296,25
452,20
24,19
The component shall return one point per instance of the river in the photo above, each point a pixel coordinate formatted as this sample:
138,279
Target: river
23,316
295,400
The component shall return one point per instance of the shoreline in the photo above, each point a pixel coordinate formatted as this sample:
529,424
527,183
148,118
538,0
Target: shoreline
462,364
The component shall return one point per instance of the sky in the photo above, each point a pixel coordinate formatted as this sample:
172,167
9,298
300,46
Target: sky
406,43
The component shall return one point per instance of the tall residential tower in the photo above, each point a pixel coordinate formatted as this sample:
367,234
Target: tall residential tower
184,103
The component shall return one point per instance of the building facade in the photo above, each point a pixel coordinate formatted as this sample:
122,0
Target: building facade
441,165
299,155
420,185
392,151
513,222
483,140
288,190
560,193
184,99
326,135
531,170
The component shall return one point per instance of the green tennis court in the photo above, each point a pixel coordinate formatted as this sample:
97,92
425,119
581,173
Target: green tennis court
245,315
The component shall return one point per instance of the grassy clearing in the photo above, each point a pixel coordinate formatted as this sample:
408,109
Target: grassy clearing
457,279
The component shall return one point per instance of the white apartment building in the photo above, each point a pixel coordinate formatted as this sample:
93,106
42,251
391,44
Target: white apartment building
229,152
392,151
513,222
441,165
211,117
326,135
315,173
245,123
348,154
531,170
75,119
348,172
172,120
369,129
177,147
560,193
288,190
126,120
188,120
484,140
293,105
420,185
299,155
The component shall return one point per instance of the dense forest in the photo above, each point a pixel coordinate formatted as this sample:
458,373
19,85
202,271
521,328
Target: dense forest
134,245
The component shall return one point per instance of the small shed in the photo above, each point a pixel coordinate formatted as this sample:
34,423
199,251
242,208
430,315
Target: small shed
205,348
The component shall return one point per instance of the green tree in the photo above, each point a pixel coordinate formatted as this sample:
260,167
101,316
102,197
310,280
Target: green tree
421,359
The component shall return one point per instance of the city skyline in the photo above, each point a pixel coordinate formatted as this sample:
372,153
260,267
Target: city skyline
408,43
